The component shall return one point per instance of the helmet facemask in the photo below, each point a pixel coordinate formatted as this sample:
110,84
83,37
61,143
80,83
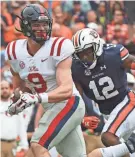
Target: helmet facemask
88,56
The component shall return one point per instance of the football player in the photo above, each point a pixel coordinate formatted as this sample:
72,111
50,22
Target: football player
44,64
99,70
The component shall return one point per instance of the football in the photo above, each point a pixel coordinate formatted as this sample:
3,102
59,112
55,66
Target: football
16,93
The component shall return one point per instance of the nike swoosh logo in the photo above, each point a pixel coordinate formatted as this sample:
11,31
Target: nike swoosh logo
42,60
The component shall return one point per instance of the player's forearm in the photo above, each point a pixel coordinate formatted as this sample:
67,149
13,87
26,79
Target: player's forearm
63,92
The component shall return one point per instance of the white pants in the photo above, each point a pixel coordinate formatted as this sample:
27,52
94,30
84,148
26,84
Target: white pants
121,121
60,127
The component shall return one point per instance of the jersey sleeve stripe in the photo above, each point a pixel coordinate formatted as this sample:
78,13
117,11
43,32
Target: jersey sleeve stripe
124,53
76,39
53,45
125,57
13,50
8,51
122,48
59,46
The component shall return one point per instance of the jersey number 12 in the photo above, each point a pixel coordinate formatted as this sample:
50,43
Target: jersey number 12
108,91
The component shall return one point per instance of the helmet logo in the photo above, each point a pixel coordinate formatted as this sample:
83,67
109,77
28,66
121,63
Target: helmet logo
94,34
87,72
22,65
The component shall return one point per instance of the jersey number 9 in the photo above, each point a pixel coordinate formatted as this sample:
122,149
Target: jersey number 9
38,81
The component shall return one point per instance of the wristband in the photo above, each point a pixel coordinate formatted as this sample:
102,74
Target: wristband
43,97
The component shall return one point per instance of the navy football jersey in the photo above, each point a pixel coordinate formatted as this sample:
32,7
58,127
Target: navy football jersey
106,84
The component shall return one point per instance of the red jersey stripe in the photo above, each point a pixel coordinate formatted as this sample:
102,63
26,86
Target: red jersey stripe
59,46
53,45
13,50
8,51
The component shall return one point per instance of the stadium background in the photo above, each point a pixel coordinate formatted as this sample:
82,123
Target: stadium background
113,20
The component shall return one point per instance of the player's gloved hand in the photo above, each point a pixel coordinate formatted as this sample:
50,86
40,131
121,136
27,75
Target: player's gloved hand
90,122
14,97
25,100
131,143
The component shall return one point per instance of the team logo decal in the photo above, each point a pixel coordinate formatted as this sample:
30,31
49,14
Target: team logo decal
22,65
103,67
33,68
87,72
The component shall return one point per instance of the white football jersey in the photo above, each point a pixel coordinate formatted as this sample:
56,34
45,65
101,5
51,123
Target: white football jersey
39,71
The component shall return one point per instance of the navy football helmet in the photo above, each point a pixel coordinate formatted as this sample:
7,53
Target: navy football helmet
38,15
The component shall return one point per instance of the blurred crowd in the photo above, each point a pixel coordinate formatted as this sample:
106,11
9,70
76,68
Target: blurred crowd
113,20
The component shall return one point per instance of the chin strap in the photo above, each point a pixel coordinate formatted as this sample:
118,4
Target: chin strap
17,28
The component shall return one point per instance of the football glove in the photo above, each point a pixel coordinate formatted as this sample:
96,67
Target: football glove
25,100
90,122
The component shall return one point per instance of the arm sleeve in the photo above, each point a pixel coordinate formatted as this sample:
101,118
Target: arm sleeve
65,50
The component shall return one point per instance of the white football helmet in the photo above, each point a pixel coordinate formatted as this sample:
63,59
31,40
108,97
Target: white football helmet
86,38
